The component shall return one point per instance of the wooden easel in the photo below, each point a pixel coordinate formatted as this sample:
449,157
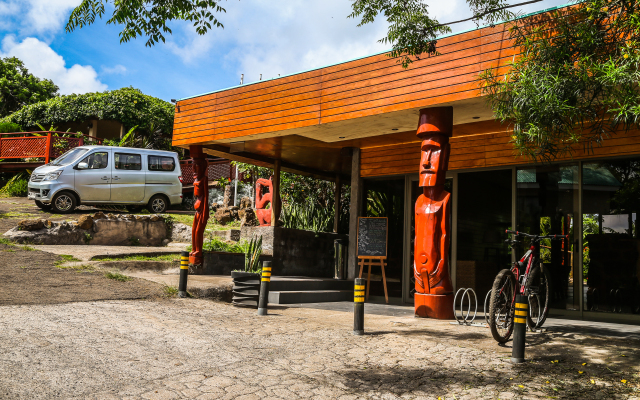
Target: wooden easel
368,261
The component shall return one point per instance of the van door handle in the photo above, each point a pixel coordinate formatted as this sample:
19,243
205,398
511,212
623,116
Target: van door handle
105,178
115,178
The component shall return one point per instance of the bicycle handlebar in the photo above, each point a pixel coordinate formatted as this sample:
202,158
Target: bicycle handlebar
552,237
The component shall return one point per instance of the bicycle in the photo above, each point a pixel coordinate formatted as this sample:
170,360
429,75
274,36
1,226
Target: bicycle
534,281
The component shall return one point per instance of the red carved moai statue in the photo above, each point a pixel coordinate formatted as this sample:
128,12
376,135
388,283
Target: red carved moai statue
262,200
434,292
201,205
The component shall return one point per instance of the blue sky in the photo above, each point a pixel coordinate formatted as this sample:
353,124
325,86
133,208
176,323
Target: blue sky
260,37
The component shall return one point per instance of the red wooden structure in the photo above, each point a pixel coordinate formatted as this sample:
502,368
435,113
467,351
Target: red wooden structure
41,144
217,168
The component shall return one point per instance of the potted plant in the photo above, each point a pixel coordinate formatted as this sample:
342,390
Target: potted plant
246,284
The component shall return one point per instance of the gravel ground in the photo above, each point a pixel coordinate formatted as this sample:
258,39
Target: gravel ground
198,349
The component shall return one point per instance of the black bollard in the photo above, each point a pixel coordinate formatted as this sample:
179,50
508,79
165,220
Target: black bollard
519,329
358,307
263,301
184,272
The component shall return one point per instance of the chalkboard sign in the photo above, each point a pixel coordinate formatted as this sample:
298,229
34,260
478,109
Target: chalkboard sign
372,237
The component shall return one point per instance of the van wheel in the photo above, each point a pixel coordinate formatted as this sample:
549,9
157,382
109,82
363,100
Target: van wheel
157,204
42,206
63,203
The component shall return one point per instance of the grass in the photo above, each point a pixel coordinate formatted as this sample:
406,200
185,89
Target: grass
162,257
12,214
6,241
64,258
77,268
212,225
117,276
170,290
26,248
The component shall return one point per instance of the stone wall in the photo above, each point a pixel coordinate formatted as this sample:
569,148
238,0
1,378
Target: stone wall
296,252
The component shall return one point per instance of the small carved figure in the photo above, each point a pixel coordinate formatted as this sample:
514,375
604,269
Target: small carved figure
201,205
262,200
434,291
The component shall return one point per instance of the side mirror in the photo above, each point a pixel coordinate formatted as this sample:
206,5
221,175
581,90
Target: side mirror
83,165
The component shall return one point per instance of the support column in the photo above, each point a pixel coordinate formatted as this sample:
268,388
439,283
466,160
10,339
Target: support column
201,205
336,204
275,196
355,208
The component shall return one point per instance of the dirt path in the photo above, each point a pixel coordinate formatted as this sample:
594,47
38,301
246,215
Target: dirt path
31,277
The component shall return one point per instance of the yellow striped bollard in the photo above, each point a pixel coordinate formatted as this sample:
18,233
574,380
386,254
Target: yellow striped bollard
519,329
358,306
263,300
184,272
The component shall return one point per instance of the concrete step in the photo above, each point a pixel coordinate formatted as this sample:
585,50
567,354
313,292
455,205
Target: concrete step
309,296
294,283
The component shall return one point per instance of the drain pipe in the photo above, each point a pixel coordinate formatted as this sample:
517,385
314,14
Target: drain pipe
235,190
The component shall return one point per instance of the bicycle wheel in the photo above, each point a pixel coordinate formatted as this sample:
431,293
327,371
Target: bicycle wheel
539,293
501,306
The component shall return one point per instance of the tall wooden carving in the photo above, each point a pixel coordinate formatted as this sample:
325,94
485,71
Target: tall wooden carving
434,291
262,200
201,204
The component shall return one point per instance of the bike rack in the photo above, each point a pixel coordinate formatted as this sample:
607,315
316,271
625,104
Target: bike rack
466,318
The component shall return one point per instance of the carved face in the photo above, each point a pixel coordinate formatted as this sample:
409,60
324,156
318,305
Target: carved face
433,166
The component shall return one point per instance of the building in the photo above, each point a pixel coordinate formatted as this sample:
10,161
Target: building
356,122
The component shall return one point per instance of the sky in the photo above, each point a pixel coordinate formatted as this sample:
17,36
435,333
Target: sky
268,37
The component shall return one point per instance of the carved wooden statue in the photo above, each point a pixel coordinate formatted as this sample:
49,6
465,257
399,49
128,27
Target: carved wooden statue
201,205
434,291
262,200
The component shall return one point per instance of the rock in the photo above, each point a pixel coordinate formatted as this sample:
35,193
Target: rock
234,208
48,224
223,216
181,233
248,217
245,202
111,216
99,215
165,242
155,218
228,196
30,225
85,222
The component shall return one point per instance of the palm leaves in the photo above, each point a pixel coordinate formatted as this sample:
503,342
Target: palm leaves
309,216
252,251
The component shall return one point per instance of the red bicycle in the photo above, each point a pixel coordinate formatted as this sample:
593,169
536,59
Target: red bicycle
527,277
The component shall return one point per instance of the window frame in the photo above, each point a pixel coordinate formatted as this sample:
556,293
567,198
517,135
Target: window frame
115,163
160,170
96,152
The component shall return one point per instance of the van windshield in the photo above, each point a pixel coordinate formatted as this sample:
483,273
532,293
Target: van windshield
69,157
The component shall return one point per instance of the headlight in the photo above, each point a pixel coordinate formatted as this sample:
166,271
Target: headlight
52,176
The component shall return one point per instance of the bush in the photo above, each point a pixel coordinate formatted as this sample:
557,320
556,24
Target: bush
17,186
215,244
8,127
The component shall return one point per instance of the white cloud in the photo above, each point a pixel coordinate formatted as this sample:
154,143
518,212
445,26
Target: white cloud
115,70
44,62
36,17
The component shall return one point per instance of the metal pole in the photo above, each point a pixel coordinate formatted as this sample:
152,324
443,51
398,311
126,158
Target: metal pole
358,306
235,190
519,329
263,301
184,272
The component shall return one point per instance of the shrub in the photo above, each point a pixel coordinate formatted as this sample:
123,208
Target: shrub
17,186
8,127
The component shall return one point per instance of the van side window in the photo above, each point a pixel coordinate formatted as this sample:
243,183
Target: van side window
128,161
98,160
160,163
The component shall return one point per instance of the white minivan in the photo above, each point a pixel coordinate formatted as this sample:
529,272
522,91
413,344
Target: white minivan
95,175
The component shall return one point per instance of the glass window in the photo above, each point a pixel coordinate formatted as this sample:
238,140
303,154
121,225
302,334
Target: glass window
97,160
69,157
484,213
160,163
611,243
128,161
547,198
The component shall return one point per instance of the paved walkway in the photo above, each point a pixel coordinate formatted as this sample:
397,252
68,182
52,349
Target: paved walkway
198,349
87,253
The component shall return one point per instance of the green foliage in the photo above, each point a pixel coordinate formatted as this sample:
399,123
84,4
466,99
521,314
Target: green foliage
152,116
116,276
412,31
216,244
576,81
18,186
147,18
308,216
252,251
87,238
9,127
19,88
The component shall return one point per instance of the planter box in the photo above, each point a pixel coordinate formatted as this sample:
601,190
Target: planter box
222,263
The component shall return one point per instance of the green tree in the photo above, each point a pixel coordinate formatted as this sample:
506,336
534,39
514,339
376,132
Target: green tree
148,18
19,88
576,80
